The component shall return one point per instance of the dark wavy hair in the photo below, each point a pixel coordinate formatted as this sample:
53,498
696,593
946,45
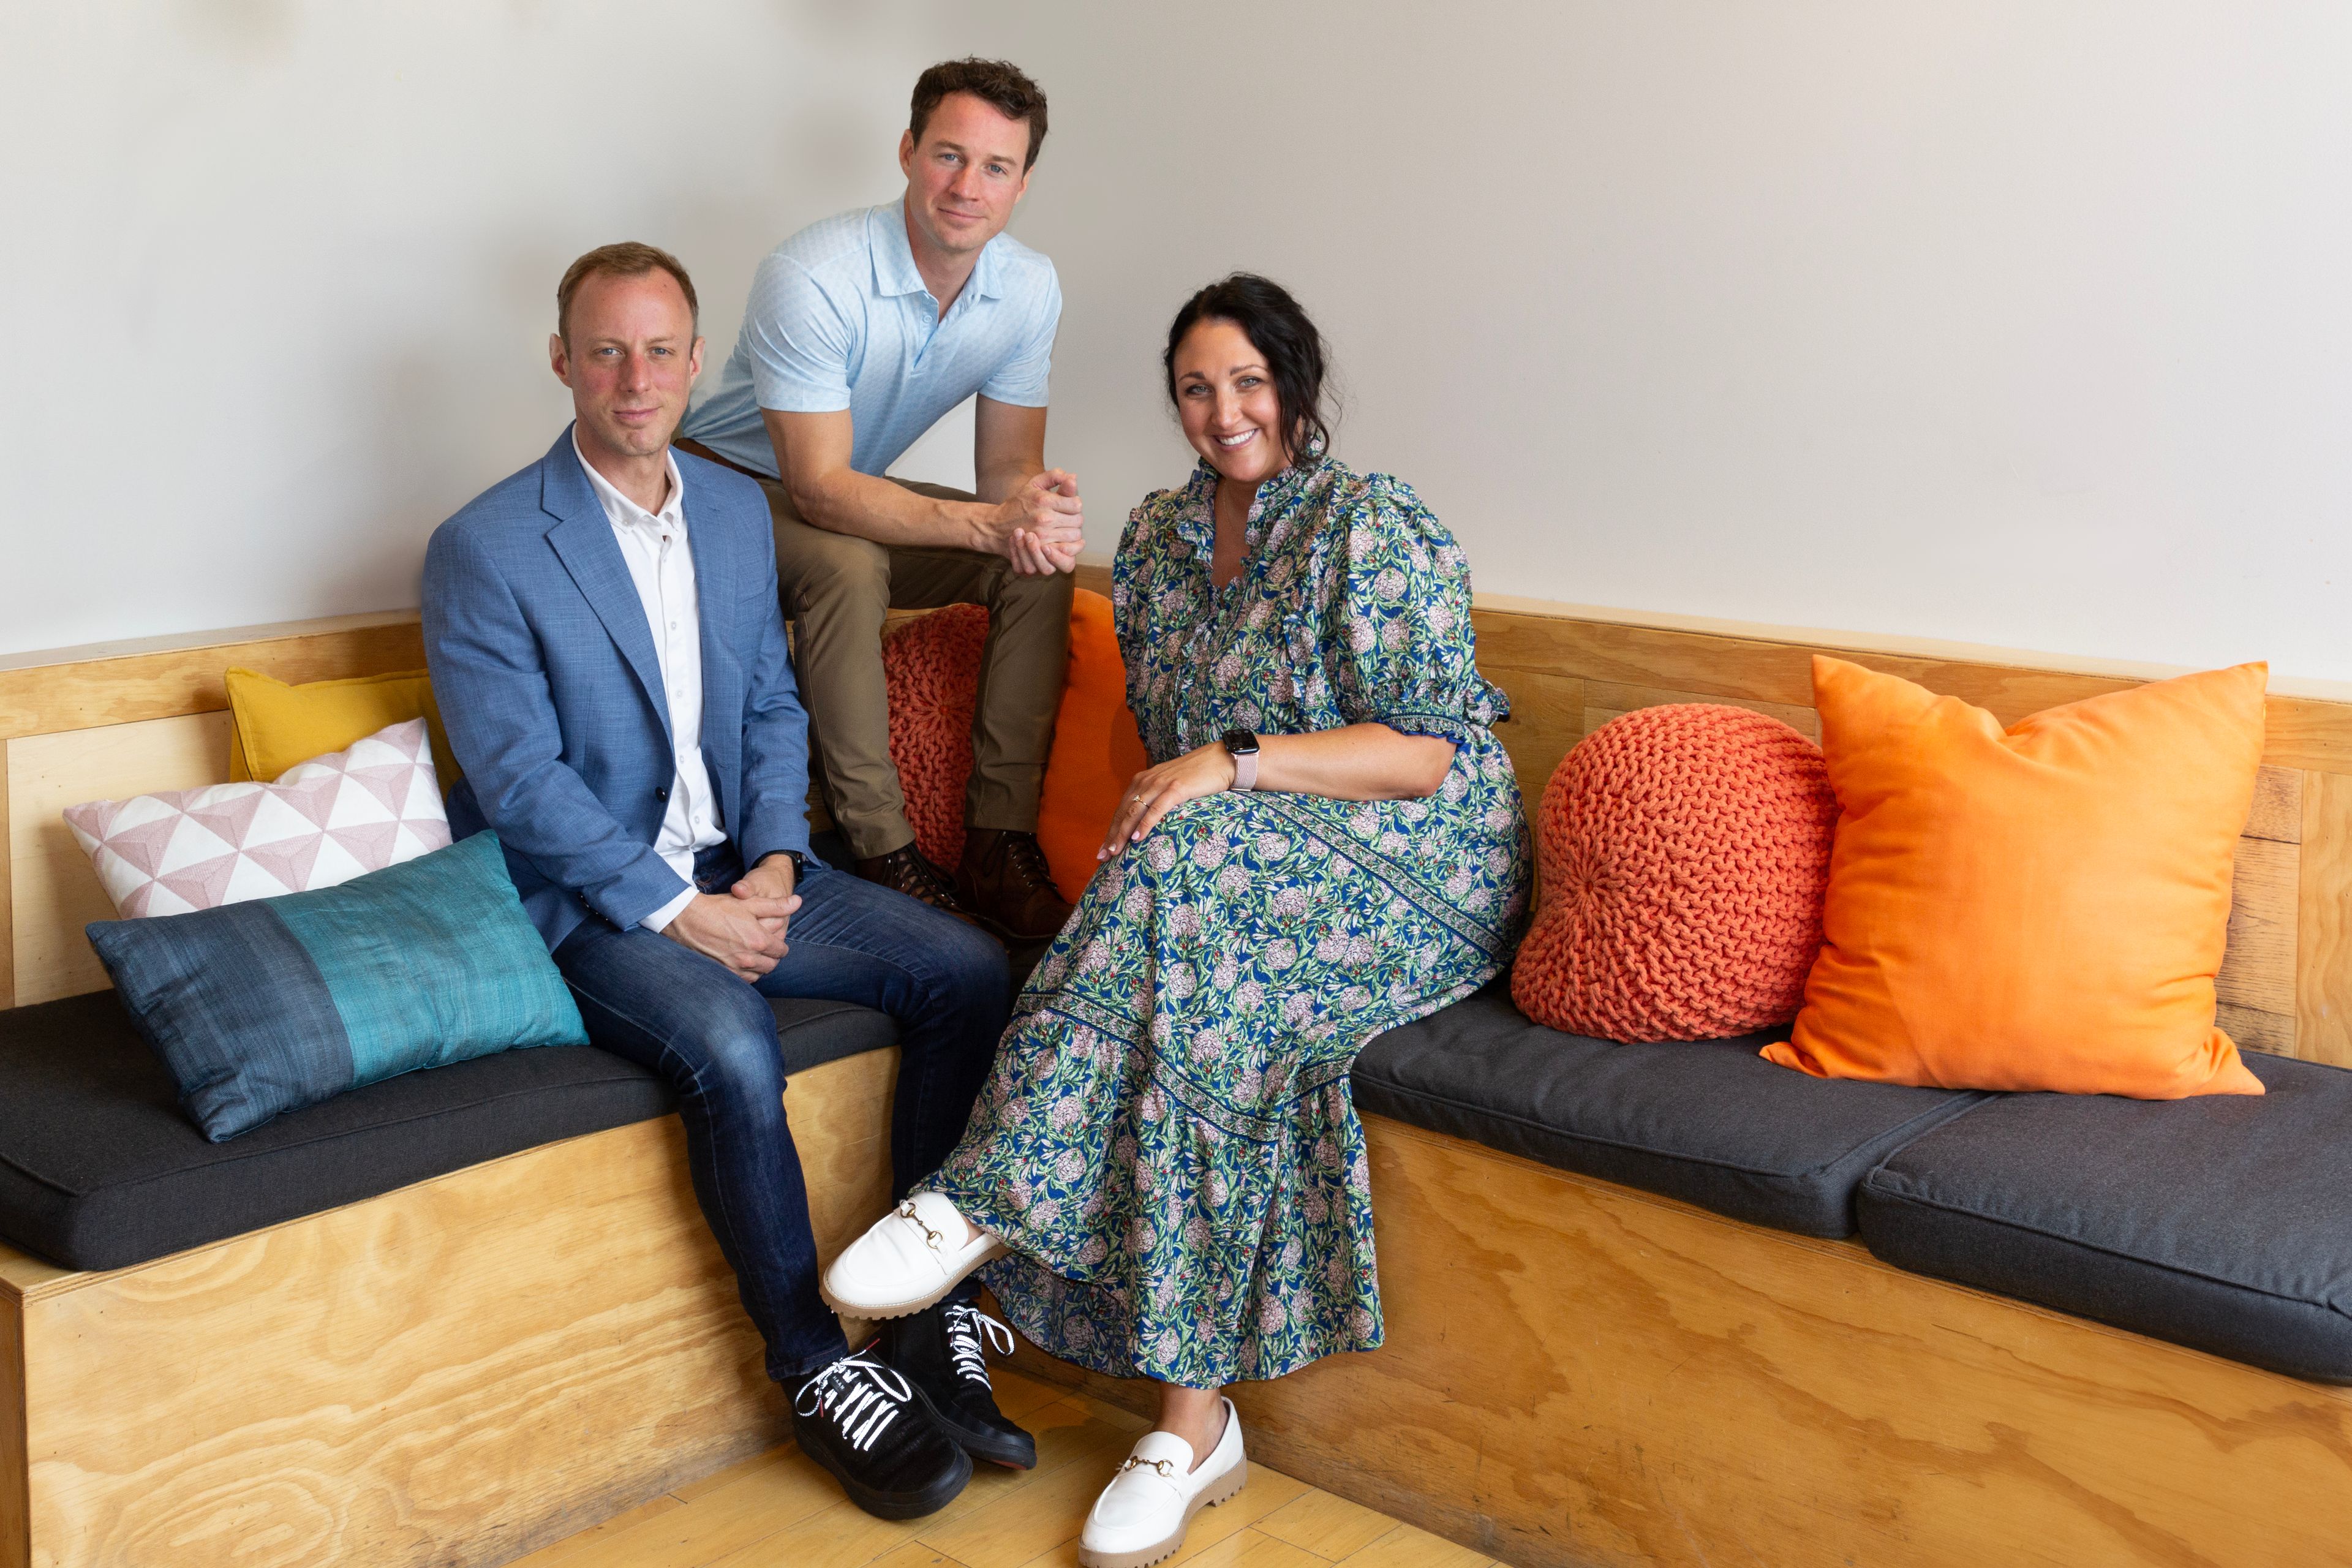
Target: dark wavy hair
1295,353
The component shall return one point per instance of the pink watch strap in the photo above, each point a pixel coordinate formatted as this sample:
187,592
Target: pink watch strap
1245,770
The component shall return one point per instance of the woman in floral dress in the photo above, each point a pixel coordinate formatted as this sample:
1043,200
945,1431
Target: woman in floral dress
1167,1151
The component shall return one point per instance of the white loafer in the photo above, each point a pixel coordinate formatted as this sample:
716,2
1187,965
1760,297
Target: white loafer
1142,1515
903,1263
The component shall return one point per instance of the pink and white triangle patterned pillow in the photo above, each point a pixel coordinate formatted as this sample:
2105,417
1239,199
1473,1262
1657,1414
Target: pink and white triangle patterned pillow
322,821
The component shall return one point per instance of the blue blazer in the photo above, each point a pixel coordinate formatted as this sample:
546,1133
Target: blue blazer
543,665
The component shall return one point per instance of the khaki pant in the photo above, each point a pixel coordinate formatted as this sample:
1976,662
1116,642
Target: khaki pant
835,588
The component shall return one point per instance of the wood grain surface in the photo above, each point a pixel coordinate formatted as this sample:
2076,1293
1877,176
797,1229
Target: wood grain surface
89,688
16,1526
2254,1030
1577,1374
2308,732
2323,977
2277,811
452,1373
2303,733
781,1511
54,890
2258,969
1606,700
1547,722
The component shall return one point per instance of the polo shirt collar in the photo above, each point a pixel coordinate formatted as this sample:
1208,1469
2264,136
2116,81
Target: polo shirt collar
893,259
895,272
987,279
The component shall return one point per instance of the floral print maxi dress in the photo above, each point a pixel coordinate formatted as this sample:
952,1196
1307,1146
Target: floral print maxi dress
1167,1141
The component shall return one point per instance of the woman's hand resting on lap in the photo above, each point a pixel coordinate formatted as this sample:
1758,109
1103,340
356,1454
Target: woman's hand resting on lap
1355,761
1155,792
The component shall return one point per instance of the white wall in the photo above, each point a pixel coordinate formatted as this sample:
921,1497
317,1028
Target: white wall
1989,320
279,275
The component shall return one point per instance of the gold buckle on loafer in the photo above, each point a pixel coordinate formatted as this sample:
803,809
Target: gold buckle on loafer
932,1239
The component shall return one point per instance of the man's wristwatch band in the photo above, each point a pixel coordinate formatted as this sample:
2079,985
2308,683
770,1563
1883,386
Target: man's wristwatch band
1242,747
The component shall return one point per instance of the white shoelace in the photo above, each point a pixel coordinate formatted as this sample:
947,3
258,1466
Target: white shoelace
968,1327
862,1406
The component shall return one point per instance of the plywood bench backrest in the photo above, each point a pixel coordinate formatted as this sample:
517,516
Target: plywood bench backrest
101,722
2287,985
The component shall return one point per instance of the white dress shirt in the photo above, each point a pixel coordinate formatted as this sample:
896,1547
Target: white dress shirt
662,567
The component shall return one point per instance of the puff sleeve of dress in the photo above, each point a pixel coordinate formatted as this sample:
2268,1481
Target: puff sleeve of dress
1397,641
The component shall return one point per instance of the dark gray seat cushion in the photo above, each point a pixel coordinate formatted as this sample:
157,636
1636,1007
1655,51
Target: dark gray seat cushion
1710,1123
99,1168
2222,1221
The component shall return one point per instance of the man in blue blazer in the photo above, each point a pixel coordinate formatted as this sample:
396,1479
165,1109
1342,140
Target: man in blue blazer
610,660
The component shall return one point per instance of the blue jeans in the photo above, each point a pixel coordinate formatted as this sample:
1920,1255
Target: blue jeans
711,1035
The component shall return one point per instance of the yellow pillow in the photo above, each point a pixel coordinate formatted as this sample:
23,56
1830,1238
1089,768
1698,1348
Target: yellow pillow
275,726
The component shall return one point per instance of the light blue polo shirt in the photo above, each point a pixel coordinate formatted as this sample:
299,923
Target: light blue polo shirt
840,318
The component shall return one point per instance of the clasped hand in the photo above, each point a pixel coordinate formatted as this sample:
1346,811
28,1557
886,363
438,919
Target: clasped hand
1155,792
1042,526
745,927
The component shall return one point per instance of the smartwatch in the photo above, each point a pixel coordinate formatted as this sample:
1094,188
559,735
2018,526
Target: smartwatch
1243,745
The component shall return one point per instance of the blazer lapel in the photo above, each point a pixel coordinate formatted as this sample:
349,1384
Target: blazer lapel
583,541
715,595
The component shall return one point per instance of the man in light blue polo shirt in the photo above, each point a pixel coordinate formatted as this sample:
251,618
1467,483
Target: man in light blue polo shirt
862,330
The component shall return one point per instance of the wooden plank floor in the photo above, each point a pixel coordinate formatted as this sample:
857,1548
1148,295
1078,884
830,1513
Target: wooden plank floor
782,1509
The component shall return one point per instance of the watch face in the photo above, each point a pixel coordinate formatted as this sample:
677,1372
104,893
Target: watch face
1240,741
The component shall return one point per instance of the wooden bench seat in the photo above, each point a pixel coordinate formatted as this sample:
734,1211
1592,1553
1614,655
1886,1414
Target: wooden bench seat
1579,1375
454,1372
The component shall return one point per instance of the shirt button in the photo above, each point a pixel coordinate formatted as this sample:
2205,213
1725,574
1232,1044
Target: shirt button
661,795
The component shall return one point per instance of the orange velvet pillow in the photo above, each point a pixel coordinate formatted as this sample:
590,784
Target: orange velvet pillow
2039,909
1096,749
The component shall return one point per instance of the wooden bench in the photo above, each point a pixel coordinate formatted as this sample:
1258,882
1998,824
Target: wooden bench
1576,1374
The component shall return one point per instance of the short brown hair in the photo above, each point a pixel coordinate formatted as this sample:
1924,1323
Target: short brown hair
1000,83
626,259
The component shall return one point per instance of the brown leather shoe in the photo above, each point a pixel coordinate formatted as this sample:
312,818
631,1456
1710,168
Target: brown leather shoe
904,871
1004,877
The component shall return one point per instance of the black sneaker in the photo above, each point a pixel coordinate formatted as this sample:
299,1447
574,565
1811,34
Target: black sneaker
861,1421
941,1351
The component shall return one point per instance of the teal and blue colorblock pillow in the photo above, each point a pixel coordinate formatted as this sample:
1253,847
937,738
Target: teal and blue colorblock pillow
263,1007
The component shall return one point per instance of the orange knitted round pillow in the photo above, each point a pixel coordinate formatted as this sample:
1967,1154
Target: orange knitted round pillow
1682,852
930,670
